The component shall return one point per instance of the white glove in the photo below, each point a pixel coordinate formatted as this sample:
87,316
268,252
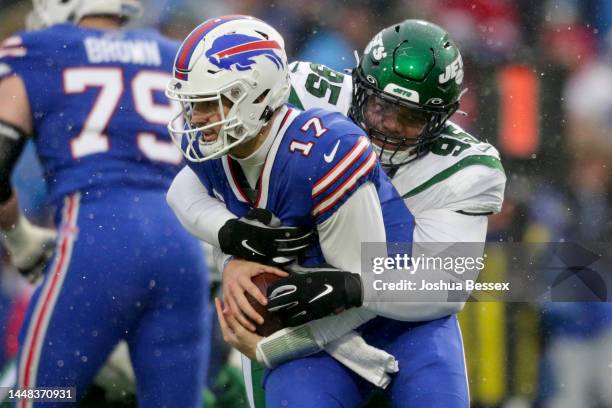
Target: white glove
30,247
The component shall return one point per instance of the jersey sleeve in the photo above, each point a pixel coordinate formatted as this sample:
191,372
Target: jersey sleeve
477,190
341,236
198,211
36,59
317,86
12,56
24,54
476,183
202,172
348,164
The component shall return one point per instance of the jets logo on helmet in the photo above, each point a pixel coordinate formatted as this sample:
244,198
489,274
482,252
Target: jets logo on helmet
453,70
410,77
236,51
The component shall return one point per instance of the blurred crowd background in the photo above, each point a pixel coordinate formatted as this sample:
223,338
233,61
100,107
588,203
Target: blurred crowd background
539,75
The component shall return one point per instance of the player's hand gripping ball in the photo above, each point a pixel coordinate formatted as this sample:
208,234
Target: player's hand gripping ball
272,322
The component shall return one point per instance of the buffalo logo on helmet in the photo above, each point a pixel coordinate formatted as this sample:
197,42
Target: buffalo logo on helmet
236,51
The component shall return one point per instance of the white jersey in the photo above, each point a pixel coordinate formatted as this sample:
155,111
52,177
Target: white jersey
460,174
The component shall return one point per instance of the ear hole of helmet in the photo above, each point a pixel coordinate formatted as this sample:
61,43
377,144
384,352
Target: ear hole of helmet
261,96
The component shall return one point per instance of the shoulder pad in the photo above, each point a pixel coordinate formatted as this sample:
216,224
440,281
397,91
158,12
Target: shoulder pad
476,189
460,171
339,157
315,85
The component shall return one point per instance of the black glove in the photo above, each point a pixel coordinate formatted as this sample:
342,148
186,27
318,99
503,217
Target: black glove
300,298
259,237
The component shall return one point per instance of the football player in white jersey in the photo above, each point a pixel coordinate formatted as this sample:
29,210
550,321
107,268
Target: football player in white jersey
403,91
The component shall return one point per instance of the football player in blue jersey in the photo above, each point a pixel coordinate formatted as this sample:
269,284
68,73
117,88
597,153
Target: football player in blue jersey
90,96
248,149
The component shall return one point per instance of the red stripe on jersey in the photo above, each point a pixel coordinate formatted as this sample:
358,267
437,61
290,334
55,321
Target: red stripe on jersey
339,169
56,276
333,198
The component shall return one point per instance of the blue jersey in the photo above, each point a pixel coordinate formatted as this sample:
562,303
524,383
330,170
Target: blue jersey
98,106
99,117
317,161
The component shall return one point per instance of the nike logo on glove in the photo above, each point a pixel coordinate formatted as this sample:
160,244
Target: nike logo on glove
245,243
329,157
328,289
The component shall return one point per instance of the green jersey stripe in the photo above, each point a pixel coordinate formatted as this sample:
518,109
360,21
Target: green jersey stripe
257,374
295,100
488,161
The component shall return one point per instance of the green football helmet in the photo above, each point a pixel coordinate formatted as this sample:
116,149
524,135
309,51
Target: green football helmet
405,87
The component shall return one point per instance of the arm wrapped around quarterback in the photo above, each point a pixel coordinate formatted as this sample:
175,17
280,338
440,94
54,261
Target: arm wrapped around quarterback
296,342
341,238
260,237
220,259
439,234
257,237
198,212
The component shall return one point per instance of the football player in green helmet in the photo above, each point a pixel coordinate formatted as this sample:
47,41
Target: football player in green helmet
405,87
403,91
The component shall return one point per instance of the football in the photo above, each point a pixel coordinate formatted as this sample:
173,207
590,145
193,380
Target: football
271,322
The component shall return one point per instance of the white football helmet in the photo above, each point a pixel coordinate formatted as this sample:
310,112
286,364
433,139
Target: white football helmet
240,58
49,12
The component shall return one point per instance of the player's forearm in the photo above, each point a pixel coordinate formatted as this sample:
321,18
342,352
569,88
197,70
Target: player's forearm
340,237
438,233
415,311
220,259
296,342
198,212
333,327
359,220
